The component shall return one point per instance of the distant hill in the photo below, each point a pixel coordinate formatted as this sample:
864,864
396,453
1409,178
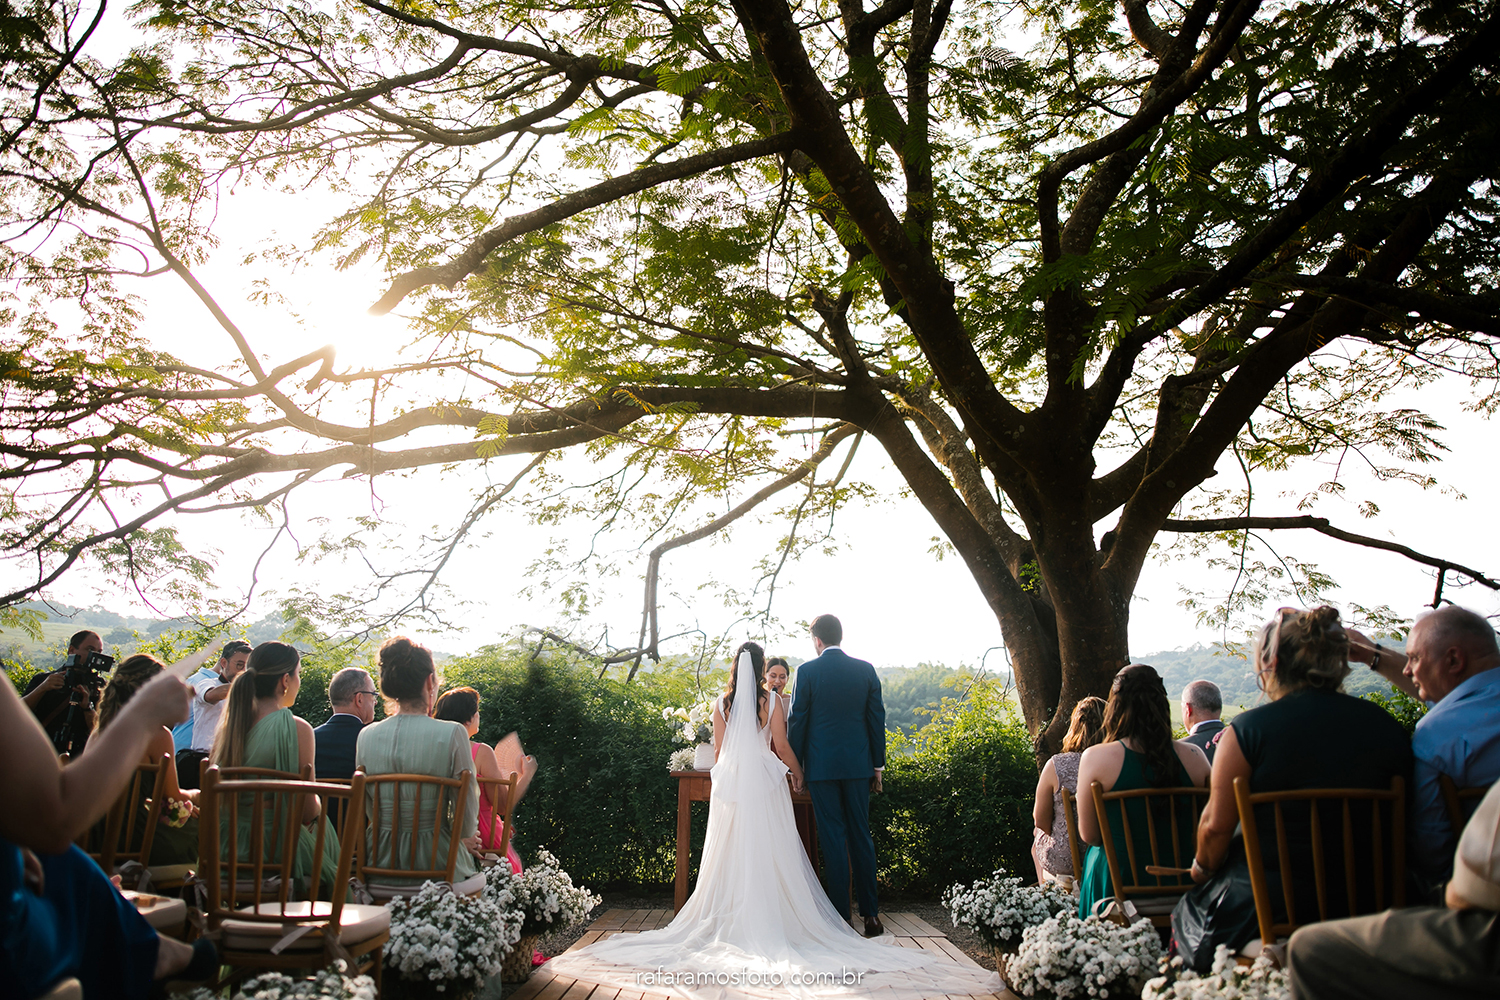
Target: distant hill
121,633
1236,680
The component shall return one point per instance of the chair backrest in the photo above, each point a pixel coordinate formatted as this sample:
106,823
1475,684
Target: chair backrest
499,800
1455,799
1171,816
1351,821
1075,845
253,773
109,841
395,803
268,814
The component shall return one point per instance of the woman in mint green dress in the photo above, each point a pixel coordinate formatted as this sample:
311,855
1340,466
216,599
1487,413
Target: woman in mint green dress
410,741
259,730
1138,752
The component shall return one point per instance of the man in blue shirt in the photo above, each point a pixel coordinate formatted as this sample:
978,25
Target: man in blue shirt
1450,660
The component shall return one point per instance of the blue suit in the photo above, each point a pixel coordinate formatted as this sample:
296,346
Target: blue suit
837,731
335,740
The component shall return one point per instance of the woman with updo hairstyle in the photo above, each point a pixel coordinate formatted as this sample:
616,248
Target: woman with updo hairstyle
258,729
1050,851
1309,734
1137,752
410,741
176,839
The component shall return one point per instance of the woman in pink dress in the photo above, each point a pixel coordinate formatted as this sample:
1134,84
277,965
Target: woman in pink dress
461,705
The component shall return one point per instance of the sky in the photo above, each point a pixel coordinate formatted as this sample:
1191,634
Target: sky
899,602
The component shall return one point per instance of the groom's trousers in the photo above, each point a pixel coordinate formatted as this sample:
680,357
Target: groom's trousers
842,809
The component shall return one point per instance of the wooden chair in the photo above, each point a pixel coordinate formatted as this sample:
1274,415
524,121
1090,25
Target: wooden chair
1454,799
1343,799
1171,827
396,872
260,925
132,820
253,773
1075,844
500,794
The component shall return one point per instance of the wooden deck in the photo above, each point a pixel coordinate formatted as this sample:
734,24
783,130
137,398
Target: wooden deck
910,930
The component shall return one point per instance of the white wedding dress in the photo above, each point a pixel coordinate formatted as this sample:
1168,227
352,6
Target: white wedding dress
759,924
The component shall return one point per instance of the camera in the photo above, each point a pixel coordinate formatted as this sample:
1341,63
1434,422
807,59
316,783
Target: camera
85,670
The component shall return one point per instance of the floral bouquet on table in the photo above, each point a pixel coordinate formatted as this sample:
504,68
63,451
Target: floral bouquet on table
1226,981
448,945
329,984
1065,958
1000,908
682,760
693,725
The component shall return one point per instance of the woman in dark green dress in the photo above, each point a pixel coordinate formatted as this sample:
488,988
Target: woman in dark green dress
1138,752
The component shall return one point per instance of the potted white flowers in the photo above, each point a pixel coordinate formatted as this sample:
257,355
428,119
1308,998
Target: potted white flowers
683,760
443,945
544,899
329,984
1226,981
1065,958
1000,908
694,725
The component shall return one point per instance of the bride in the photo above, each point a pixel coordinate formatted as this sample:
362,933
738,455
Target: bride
758,923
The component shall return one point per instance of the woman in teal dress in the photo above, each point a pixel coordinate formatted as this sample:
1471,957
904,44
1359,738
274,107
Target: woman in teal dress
174,848
410,741
259,730
1138,752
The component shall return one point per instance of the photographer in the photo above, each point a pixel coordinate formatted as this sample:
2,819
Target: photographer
67,713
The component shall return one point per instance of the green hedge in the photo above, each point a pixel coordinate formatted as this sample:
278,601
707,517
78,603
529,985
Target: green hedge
958,796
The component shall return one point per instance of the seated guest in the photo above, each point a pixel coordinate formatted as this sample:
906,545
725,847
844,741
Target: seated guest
259,730
1424,951
410,741
351,693
175,843
1138,752
461,705
1202,704
1050,850
1450,659
1310,735
60,917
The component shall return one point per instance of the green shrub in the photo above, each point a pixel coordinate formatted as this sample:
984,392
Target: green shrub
1407,710
958,796
602,800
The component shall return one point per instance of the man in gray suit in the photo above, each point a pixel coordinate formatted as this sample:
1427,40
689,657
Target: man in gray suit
1202,704
837,731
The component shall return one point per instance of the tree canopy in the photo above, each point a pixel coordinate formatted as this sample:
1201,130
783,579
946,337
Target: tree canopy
1002,240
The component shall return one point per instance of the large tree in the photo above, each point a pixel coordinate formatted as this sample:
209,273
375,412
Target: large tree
1002,240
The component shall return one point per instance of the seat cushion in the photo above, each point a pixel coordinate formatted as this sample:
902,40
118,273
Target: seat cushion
1155,906
358,922
162,874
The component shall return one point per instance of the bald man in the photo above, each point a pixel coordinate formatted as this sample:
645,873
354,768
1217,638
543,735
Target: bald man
1450,660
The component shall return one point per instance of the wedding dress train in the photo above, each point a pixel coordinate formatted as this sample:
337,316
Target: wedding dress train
758,924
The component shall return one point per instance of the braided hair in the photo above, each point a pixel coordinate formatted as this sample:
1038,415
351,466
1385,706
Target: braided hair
129,677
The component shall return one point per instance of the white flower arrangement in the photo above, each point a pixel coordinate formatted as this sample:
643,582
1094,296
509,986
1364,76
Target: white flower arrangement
1226,981
682,760
545,897
329,984
445,938
1065,957
694,724
999,908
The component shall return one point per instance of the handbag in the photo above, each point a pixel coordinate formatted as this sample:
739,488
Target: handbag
1220,911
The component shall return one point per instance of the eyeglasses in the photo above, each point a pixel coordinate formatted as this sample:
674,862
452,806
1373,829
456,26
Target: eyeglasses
370,692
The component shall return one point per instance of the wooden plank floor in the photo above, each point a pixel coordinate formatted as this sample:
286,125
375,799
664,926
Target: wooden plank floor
910,931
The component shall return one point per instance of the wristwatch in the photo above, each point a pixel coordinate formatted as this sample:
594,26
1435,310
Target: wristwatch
1375,657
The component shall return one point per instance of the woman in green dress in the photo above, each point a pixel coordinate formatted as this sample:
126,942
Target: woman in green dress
259,730
176,841
409,741
1138,752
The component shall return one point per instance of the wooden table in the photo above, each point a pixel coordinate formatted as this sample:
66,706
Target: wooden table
694,786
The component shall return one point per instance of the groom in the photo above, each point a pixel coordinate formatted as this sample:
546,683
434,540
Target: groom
837,731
